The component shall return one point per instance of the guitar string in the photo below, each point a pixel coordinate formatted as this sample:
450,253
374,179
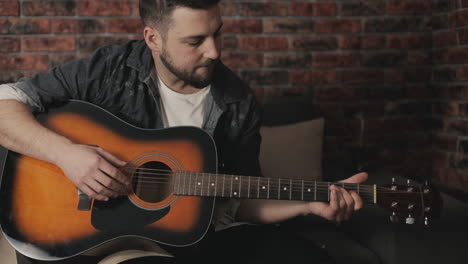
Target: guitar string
170,173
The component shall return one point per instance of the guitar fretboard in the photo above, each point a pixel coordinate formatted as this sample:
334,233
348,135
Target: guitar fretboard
249,187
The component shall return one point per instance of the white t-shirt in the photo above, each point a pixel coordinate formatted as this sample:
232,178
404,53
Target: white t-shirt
183,109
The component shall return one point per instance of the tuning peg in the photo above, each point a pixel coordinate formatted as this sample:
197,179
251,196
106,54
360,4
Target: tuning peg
410,220
394,218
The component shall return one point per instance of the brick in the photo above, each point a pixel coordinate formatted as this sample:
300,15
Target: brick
394,76
440,21
265,77
242,26
363,8
65,26
362,76
336,60
385,93
444,74
458,18
447,142
228,9
331,26
413,41
9,44
90,44
93,26
313,43
314,9
9,8
24,26
408,7
462,37
288,26
263,9
340,93
440,6
263,43
383,59
104,8
314,77
418,57
56,59
242,60
398,24
462,73
282,60
459,55
49,8
362,42
455,126
417,74
125,25
135,9
446,38
23,62
229,42
33,44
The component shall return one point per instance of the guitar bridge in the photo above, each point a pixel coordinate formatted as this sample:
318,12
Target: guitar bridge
84,202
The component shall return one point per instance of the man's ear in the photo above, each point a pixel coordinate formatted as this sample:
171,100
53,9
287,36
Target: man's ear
152,38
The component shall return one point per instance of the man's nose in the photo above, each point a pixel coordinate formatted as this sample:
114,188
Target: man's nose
212,50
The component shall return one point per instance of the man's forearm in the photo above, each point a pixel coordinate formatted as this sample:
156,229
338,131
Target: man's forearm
269,211
20,132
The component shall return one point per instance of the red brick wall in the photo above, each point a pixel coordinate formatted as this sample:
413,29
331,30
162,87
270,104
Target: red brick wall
450,76
364,65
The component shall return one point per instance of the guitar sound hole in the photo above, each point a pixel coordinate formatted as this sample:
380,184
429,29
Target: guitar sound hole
152,182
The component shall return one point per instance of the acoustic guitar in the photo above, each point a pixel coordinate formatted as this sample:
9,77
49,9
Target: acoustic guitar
174,185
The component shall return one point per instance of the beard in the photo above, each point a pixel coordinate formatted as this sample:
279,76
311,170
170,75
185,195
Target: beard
190,78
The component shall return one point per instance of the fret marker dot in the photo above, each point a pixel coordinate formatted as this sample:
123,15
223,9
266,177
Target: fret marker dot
308,190
199,183
237,178
285,189
263,187
235,193
212,184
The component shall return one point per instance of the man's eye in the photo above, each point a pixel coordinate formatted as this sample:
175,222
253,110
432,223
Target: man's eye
195,43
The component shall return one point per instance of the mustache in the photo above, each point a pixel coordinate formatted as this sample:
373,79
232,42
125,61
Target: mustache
209,63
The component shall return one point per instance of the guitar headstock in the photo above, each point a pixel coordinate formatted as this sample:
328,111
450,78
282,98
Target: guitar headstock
410,203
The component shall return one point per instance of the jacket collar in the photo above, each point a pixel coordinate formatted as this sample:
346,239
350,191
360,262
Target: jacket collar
226,86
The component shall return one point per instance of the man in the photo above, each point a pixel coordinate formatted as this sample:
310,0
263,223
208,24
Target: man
174,77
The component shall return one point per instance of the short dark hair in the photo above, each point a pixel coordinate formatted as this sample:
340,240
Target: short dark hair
157,12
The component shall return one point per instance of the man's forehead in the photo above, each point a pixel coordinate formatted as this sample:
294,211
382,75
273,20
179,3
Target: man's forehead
187,21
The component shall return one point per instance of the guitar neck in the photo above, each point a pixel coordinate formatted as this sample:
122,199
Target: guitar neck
250,187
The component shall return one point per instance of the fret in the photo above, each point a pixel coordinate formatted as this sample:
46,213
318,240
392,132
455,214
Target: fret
216,186
240,184
357,186
258,188
209,185
315,190
302,191
279,188
248,188
231,185
268,194
224,180
290,189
